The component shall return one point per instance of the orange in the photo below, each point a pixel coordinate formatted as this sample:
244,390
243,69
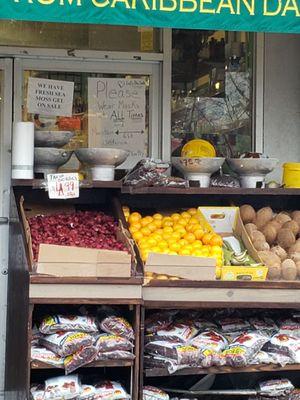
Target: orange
182,221
167,223
192,211
216,240
145,231
151,242
163,244
194,220
157,216
159,232
192,227
184,252
197,253
216,250
152,226
146,220
183,242
136,225
166,219
157,223
175,246
197,244
206,238
133,229
137,235
176,235
168,229
199,233
156,236
155,249
175,216
190,237
134,217
185,214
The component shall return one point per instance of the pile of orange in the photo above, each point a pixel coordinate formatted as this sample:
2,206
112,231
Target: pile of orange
175,234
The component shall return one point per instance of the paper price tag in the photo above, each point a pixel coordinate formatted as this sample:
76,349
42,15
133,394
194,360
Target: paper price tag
63,186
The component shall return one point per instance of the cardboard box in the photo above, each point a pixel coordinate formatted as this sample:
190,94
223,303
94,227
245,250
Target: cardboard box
226,221
66,261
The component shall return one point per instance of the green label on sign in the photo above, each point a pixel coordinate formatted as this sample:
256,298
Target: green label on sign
246,15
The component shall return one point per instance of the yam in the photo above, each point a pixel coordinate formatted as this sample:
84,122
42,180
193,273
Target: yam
250,228
292,226
295,248
270,233
298,268
286,238
270,259
289,270
248,213
296,216
275,224
257,235
282,218
295,256
274,273
261,245
280,252
263,216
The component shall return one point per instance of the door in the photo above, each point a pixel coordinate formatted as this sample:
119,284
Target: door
82,74
5,161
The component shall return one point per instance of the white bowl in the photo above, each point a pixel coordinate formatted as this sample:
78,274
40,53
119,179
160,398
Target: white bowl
52,138
102,161
252,166
198,169
48,160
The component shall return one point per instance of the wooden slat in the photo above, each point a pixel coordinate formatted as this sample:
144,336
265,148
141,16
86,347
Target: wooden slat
37,183
95,364
225,284
221,370
46,279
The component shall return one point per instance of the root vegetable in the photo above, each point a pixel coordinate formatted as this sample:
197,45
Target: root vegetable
274,273
250,228
289,270
263,216
275,224
295,248
248,213
282,218
257,235
292,226
295,256
296,216
270,233
285,238
261,245
298,268
280,252
269,259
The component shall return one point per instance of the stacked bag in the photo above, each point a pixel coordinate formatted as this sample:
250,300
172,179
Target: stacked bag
221,337
72,341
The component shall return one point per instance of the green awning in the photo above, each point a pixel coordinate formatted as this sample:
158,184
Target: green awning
236,15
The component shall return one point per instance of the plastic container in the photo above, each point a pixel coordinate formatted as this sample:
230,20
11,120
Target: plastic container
198,148
291,175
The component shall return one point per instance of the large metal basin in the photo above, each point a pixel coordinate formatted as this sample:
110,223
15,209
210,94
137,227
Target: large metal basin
52,138
48,160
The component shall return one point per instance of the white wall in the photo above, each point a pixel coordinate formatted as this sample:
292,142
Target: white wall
282,98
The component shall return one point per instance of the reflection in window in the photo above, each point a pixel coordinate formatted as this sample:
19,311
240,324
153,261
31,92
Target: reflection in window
212,89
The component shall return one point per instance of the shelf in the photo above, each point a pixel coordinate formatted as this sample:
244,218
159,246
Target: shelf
210,191
95,364
221,370
38,184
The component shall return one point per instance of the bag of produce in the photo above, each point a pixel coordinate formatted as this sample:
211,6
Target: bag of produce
66,343
276,387
110,390
204,325
290,327
117,326
265,325
242,350
82,357
62,387
285,345
115,355
160,320
107,342
153,393
181,332
231,325
59,323
163,362
183,354
46,356
37,392
87,392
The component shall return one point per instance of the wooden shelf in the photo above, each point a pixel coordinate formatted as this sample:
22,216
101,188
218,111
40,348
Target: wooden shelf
210,191
95,364
221,370
38,184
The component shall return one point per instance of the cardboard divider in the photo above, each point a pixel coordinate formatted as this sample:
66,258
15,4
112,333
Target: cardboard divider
67,261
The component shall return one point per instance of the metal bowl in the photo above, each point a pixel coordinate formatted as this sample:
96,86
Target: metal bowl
95,157
48,160
252,166
52,138
198,169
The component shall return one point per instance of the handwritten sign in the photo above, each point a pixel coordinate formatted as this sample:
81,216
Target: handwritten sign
63,186
50,97
117,110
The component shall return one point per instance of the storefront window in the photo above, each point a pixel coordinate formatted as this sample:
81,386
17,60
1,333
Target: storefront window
212,90
88,116
79,36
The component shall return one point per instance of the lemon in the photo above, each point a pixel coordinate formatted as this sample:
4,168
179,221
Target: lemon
157,216
134,217
184,252
175,217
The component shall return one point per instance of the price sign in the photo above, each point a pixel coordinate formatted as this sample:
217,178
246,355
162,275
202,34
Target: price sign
63,186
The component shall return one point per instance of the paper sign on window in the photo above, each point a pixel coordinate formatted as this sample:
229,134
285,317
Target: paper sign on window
117,109
50,97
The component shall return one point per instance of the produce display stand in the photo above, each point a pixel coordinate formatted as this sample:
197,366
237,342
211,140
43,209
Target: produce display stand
27,291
